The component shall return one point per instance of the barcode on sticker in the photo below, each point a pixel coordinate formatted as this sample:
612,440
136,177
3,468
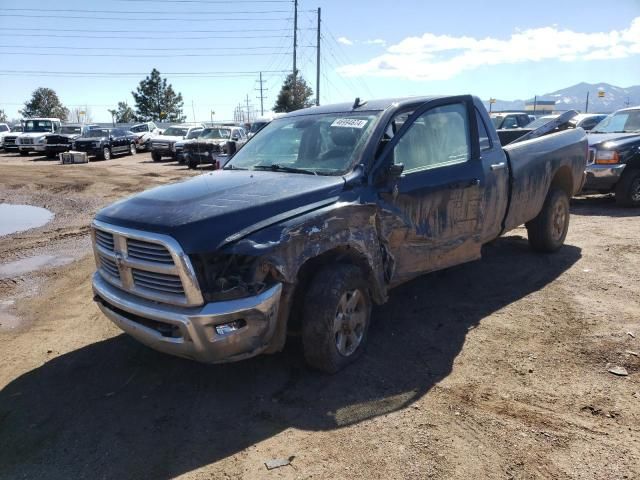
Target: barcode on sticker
349,123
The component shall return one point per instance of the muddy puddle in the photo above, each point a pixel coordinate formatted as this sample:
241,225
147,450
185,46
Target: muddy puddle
31,264
18,218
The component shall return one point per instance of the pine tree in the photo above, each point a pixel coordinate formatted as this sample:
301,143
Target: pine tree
45,103
294,95
156,100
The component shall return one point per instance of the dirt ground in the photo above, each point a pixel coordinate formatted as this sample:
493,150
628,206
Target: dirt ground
494,369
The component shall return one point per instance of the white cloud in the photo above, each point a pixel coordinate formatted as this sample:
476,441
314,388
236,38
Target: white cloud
345,41
440,57
376,41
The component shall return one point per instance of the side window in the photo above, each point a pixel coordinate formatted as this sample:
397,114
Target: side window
589,123
523,120
438,137
510,122
483,136
4,128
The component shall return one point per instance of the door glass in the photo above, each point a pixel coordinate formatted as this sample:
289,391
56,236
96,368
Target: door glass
438,137
483,136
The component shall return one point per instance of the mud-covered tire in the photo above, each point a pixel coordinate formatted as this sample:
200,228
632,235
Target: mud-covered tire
156,157
548,230
335,319
628,189
51,155
24,154
192,164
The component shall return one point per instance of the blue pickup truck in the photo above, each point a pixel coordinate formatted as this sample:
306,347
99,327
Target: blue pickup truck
317,218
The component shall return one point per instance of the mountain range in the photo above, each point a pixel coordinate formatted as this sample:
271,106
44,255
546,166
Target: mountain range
574,98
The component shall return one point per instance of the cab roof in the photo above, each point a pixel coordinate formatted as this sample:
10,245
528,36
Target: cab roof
366,105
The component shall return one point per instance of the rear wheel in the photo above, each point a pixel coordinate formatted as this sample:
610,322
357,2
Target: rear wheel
155,156
106,153
628,189
548,230
337,313
192,164
23,153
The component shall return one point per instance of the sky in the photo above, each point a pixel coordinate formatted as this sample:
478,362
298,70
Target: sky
212,51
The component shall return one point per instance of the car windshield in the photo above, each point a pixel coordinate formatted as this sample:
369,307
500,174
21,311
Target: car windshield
69,129
541,121
175,132
17,128
194,134
622,122
325,144
140,128
38,126
97,133
216,133
257,126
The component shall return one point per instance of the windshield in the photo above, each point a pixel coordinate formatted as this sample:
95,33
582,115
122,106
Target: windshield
324,144
38,126
140,128
619,122
69,129
541,121
175,132
97,133
257,126
194,134
17,128
216,133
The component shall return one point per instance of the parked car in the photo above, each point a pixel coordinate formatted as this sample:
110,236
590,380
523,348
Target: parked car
32,139
538,122
261,122
509,120
105,142
614,157
587,121
164,145
212,146
144,133
56,143
315,219
181,143
8,139
5,129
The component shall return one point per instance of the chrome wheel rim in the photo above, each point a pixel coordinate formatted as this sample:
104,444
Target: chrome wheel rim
350,322
635,190
106,154
132,148
559,219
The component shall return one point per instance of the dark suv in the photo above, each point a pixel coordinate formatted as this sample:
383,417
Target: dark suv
104,142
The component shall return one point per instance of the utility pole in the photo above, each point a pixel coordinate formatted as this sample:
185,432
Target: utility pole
535,104
586,106
261,97
248,111
318,60
295,47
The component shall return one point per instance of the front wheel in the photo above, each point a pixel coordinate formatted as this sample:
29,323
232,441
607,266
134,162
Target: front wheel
628,189
132,149
106,153
23,153
548,230
337,313
192,164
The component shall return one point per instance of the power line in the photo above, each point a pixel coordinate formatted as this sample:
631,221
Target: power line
154,19
125,12
252,73
162,49
110,37
65,54
147,31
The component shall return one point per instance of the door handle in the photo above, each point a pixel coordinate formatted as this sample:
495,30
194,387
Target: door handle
498,166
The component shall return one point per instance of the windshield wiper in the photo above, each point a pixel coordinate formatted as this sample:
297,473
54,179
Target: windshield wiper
282,168
232,167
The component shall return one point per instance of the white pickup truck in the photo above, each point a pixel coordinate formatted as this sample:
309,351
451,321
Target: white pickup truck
33,138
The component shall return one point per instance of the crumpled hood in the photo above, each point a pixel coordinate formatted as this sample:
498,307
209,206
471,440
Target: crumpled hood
204,212
167,138
616,139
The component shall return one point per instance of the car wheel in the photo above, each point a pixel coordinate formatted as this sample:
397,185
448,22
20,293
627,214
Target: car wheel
628,189
337,313
548,230
132,149
106,153
24,154
192,164
51,155
155,156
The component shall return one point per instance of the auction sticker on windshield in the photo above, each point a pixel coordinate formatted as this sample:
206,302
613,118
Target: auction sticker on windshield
349,123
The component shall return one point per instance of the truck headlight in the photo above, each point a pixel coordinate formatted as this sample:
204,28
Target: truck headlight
173,147
607,157
40,139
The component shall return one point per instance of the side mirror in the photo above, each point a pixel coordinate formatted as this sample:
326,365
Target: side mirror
235,139
232,148
395,170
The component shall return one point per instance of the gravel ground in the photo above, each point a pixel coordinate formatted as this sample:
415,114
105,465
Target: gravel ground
493,369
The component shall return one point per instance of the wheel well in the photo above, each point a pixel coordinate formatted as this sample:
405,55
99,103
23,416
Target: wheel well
563,180
344,255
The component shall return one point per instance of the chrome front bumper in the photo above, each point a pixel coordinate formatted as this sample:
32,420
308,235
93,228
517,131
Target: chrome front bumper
190,332
602,177
31,148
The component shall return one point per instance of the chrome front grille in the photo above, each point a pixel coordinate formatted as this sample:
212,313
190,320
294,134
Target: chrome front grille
10,140
148,265
158,281
150,252
26,141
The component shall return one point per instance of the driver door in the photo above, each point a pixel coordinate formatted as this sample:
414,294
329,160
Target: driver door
432,213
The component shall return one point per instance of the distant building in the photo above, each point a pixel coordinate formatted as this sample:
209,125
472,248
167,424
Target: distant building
540,106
